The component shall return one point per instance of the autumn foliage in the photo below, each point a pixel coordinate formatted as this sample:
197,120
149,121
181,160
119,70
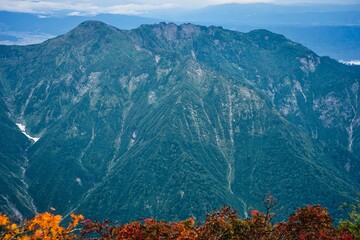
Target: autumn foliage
310,222
42,226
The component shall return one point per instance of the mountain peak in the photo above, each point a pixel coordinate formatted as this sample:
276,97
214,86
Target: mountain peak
92,24
92,27
87,31
171,31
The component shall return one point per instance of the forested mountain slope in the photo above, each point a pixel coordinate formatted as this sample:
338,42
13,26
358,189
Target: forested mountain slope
172,121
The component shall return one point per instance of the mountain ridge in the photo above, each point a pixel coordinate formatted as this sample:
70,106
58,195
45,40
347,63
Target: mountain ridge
171,121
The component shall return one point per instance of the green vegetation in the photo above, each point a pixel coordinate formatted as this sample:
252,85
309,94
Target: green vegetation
169,122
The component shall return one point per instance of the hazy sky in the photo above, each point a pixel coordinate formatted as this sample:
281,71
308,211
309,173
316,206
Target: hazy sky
128,6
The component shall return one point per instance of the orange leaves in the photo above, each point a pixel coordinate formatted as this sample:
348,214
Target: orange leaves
45,221
42,226
7,229
13,227
45,226
254,213
4,220
24,238
75,221
38,234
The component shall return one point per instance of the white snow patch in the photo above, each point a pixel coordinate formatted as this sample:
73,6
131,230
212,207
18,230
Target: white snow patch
193,54
133,139
22,128
78,180
351,62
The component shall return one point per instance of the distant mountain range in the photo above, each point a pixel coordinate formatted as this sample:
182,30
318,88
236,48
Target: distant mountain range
266,14
328,29
170,121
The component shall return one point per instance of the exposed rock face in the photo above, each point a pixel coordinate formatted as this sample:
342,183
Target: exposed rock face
172,121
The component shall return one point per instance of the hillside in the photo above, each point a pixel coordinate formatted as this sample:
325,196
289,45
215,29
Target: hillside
170,121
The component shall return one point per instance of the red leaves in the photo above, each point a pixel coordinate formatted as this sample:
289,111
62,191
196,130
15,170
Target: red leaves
254,213
312,222
308,223
148,229
302,236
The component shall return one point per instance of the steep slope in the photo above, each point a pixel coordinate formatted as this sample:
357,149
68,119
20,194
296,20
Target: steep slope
172,121
14,195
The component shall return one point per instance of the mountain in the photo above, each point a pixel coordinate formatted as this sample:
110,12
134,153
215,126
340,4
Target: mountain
171,121
328,29
28,28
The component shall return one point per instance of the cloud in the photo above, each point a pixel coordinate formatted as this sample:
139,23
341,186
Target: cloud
214,2
23,38
79,7
135,7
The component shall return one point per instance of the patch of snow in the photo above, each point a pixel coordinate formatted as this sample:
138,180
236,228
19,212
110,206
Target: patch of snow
133,139
351,62
193,54
22,129
78,180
